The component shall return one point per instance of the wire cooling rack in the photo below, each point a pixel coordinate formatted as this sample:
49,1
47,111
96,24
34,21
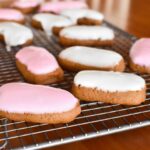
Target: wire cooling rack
96,119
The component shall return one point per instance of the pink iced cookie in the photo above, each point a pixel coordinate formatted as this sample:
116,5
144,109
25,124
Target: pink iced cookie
37,59
7,14
140,55
37,103
26,6
57,7
37,65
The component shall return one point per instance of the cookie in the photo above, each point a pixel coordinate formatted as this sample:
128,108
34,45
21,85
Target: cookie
86,36
58,6
109,87
12,15
37,103
26,6
14,34
84,16
78,58
140,56
47,21
39,66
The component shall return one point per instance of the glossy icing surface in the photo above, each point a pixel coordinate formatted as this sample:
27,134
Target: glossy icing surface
15,34
36,99
88,33
37,60
10,14
75,14
91,56
110,81
48,21
140,52
59,6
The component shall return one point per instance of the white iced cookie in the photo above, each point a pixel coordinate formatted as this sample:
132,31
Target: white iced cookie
84,58
47,21
15,34
110,87
84,16
109,81
86,35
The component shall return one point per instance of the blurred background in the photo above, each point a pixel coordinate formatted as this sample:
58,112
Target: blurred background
130,15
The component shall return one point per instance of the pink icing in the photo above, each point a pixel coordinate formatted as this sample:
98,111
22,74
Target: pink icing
25,3
37,60
140,52
57,7
37,99
10,14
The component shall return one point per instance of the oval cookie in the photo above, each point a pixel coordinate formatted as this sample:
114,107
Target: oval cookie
84,16
86,58
26,6
37,103
58,6
15,34
86,36
7,14
47,21
140,56
37,65
110,87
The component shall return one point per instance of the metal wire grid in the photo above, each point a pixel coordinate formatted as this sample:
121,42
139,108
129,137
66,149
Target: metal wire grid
96,119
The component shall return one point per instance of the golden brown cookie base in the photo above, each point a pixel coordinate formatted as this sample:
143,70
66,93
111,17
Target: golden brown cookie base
1,38
48,78
56,30
125,98
73,66
138,68
36,24
87,21
27,10
73,42
5,3
50,118
16,21
29,42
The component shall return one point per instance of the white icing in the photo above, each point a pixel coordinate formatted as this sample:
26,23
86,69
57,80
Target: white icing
75,14
8,48
48,21
91,56
110,81
15,34
88,32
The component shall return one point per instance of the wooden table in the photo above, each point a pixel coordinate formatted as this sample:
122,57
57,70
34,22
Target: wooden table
132,16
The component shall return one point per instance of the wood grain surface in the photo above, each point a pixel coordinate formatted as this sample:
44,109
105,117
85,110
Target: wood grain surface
130,15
